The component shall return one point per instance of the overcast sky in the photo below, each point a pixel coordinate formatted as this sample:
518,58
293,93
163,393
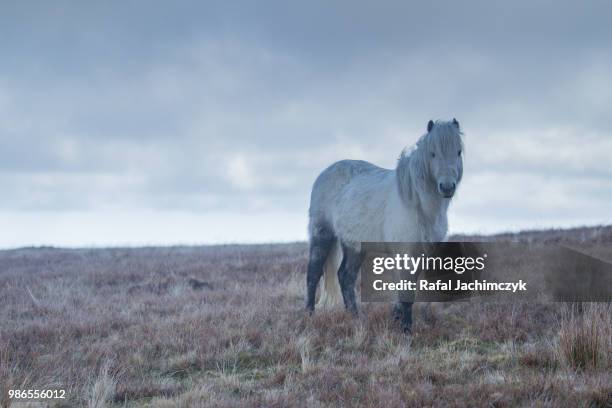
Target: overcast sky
195,122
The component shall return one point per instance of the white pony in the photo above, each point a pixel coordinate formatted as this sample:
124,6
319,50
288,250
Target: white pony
355,201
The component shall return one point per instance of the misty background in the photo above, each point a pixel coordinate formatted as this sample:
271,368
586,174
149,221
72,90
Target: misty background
149,122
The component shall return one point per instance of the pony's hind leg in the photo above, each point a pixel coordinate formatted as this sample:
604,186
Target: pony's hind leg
347,276
321,244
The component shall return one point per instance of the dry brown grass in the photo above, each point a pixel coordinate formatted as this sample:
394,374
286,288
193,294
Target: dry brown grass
585,336
223,326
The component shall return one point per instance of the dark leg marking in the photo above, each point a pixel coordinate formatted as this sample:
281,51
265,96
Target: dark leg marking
347,275
403,313
320,246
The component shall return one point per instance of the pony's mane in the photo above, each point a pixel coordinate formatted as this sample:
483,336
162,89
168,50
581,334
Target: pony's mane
412,164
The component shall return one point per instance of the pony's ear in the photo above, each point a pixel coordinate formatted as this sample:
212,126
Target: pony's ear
456,123
430,125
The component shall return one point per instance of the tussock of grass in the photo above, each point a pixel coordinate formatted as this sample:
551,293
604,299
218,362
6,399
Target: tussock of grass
585,335
102,388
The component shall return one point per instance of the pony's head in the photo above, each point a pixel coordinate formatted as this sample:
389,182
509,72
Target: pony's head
435,166
443,150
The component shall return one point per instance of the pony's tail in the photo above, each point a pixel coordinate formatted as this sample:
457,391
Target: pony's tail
330,289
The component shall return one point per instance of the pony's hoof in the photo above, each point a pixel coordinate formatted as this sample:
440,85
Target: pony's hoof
354,313
407,330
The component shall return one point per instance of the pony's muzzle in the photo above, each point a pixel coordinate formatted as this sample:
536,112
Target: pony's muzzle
447,189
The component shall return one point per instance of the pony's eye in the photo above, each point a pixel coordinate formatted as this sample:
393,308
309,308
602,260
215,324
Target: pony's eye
433,154
459,153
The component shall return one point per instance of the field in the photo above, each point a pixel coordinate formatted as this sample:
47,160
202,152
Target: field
224,326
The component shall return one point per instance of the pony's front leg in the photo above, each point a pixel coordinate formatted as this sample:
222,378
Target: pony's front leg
347,276
403,312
